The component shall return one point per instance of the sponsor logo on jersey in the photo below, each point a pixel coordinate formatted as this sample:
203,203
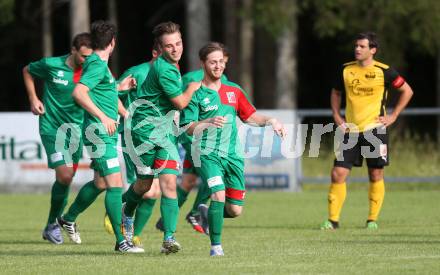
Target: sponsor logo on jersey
60,74
370,75
231,97
210,108
60,81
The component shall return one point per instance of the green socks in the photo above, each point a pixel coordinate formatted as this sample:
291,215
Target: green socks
182,195
143,214
215,220
113,205
131,201
58,201
169,209
86,196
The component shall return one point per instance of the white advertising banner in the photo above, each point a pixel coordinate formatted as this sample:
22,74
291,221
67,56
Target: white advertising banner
270,163
23,159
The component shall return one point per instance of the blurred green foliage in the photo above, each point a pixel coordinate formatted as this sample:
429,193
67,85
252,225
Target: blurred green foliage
6,11
400,24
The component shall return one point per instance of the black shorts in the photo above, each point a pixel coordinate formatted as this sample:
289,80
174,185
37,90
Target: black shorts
371,145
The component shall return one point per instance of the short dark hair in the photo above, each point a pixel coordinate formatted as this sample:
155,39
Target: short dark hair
102,33
83,39
371,37
165,28
209,48
156,46
225,50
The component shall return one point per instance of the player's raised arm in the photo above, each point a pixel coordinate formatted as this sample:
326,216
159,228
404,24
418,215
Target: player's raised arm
181,101
127,84
198,126
260,120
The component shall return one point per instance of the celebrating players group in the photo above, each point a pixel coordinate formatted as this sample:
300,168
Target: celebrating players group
157,110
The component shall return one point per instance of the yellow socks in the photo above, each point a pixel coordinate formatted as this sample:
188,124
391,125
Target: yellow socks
336,198
376,193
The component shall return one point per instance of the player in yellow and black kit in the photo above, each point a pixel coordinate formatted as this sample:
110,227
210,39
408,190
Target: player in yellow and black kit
365,83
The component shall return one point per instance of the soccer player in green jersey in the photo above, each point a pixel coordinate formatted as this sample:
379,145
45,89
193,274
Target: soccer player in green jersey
97,93
57,109
145,208
211,119
189,176
152,143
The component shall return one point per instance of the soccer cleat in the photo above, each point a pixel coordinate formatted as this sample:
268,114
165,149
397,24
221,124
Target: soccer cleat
329,225
127,247
193,220
52,233
159,225
71,229
108,225
372,225
216,250
137,241
203,209
127,227
170,245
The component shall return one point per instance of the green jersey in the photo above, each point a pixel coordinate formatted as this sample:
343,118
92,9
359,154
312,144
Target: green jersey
59,82
193,76
163,83
229,101
138,72
102,89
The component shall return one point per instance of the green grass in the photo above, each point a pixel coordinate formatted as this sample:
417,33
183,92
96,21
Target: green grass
277,234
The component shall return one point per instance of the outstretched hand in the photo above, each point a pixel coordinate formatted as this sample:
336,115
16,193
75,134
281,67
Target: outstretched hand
217,121
278,127
127,83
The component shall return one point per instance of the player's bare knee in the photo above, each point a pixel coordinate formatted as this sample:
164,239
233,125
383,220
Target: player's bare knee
168,188
153,193
234,210
100,184
65,178
187,185
338,175
189,181
375,174
218,196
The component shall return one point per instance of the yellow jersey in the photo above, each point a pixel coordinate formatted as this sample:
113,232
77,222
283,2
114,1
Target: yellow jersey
366,91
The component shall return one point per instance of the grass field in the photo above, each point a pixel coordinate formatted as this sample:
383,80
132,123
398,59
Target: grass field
276,235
